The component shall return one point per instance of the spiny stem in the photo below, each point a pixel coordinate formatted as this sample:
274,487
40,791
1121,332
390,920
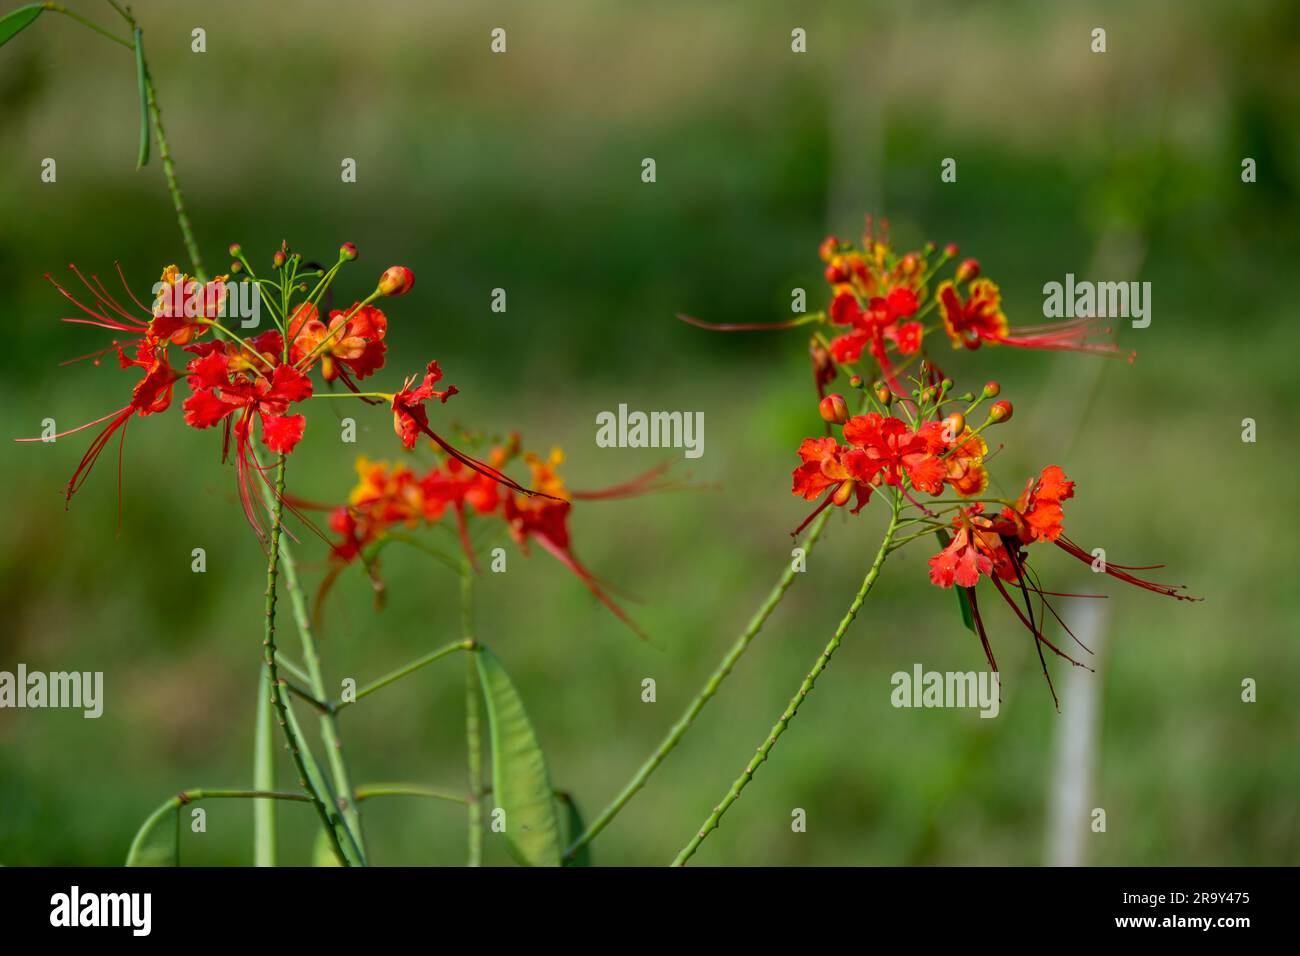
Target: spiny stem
473,736
169,171
273,675
329,728
401,672
678,730
712,821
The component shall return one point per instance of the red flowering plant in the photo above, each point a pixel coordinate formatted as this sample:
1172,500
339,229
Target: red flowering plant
257,391
883,304
909,446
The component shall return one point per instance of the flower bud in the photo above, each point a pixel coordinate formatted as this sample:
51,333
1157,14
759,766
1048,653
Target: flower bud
396,280
348,251
928,249
951,250
1000,412
883,395
834,409
991,390
954,425
842,493
830,245
236,268
835,271
279,259
855,381
968,270
910,263
236,250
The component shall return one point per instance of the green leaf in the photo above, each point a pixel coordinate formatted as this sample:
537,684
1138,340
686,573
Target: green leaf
521,786
142,83
572,827
11,24
158,842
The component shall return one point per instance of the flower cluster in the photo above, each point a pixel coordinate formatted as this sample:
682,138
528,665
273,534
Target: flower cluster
391,499
255,386
882,305
920,444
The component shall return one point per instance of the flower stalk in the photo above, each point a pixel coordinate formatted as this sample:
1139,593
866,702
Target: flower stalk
783,722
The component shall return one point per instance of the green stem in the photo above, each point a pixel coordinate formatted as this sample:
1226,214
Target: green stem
715,680
60,8
401,672
714,818
268,647
169,171
473,735
329,728
407,790
264,852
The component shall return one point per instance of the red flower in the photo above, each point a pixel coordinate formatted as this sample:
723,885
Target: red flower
410,420
409,416
352,343
979,319
182,306
894,450
152,394
256,384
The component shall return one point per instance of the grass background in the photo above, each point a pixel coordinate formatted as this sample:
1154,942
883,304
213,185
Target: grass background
522,171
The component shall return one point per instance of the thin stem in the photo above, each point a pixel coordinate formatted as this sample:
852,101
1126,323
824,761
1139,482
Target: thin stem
169,171
678,730
329,728
473,735
273,675
60,8
407,790
401,672
714,818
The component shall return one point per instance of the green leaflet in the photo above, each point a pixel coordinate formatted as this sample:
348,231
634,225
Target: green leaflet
13,23
573,827
521,785
158,841
142,83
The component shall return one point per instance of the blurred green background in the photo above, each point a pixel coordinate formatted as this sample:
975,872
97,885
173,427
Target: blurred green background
522,171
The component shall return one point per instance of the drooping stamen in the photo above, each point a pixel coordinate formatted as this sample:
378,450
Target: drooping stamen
748,326
104,302
979,629
127,287
462,531
1121,572
830,496
567,558
642,484
482,467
